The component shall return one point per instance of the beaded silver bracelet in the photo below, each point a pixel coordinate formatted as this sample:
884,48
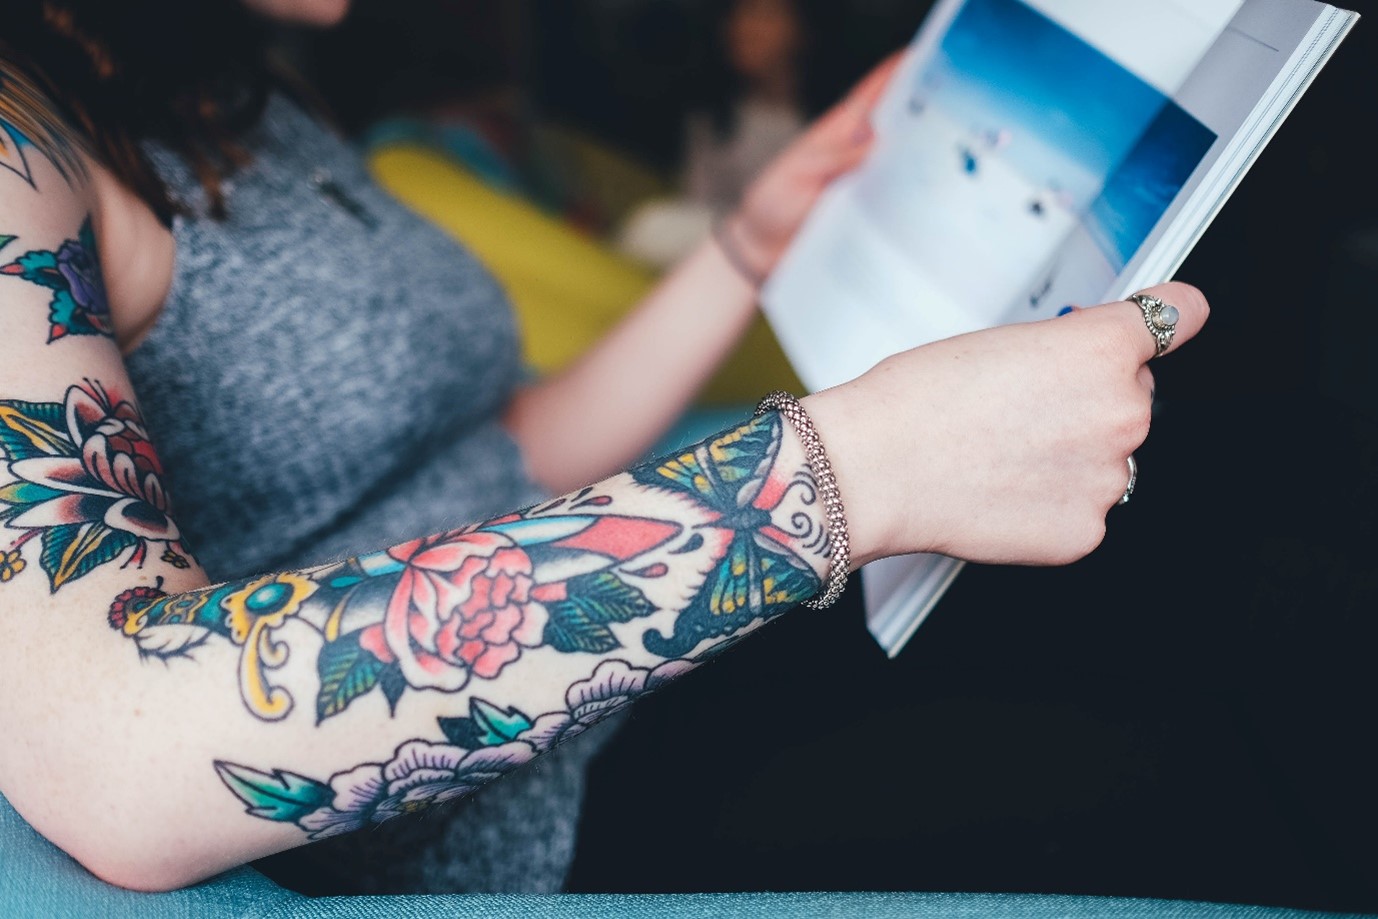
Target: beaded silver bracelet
822,470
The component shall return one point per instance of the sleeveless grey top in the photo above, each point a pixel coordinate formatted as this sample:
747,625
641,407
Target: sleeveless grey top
325,379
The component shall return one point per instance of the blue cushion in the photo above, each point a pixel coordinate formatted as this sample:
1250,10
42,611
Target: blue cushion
37,879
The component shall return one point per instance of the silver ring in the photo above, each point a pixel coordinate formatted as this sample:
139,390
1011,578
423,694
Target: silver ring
1133,479
1161,319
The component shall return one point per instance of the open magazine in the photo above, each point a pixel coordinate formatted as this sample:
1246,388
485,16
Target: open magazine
1032,155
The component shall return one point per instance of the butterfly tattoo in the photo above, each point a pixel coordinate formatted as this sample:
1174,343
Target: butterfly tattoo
760,577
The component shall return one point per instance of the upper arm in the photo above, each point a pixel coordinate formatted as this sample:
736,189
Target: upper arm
83,514
77,472
51,285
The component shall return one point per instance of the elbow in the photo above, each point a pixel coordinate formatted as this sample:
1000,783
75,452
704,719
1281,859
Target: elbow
137,864
128,844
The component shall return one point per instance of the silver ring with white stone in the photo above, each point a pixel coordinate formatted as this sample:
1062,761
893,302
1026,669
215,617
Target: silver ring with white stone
1161,319
1133,479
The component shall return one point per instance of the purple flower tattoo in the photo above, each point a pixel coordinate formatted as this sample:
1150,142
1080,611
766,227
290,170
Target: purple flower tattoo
79,305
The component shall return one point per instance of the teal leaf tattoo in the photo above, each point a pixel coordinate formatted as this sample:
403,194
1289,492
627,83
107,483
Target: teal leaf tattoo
75,549
347,671
499,726
18,496
279,795
394,685
30,429
6,240
572,630
486,726
491,742
38,268
579,622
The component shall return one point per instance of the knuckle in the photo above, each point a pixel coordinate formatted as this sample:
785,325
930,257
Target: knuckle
1135,423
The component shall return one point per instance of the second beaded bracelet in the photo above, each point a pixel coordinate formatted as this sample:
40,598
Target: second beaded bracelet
834,517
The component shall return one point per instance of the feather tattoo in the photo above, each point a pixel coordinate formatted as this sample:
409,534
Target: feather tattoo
29,124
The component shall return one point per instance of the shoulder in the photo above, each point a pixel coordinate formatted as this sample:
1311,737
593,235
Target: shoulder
33,131
45,166
47,200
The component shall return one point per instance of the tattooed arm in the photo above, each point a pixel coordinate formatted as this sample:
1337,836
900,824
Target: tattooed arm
322,701
161,729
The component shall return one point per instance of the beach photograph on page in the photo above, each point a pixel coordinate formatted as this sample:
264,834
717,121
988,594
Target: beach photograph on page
1033,168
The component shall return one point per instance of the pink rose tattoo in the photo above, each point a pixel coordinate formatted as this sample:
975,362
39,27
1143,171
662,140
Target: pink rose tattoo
463,607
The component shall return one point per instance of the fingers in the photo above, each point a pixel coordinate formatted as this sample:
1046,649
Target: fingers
844,162
864,96
849,119
1145,378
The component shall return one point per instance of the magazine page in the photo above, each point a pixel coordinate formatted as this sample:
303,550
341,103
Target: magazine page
1001,190
991,157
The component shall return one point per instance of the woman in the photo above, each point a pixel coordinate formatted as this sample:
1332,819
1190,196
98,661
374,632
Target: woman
329,381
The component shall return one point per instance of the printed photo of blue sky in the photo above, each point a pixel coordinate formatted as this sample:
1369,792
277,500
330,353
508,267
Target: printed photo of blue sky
1105,144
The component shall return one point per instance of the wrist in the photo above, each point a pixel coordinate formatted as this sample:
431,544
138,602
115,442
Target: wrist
859,470
833,524
745,248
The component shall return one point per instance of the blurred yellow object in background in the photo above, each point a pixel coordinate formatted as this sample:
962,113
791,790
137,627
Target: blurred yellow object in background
567,289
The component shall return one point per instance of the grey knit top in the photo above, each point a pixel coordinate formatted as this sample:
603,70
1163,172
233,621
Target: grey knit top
325,379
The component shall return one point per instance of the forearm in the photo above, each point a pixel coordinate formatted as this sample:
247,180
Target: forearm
611,406
326,700
607,409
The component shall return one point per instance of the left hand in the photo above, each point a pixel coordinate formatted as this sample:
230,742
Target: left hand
776,203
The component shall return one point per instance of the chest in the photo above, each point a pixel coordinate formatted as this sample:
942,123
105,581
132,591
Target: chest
320,335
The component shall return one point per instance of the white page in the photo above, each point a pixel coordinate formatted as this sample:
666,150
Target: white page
964,218
884,239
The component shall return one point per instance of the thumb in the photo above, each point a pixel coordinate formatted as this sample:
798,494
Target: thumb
1191,313
843,119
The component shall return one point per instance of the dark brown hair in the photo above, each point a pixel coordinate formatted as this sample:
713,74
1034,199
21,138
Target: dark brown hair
191,74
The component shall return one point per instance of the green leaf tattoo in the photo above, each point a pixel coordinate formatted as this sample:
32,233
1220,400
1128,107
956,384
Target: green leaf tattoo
279,795
75,549
347,671
488,744
486,726
579,621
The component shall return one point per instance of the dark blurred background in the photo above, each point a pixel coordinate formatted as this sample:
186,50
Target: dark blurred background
1188,713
